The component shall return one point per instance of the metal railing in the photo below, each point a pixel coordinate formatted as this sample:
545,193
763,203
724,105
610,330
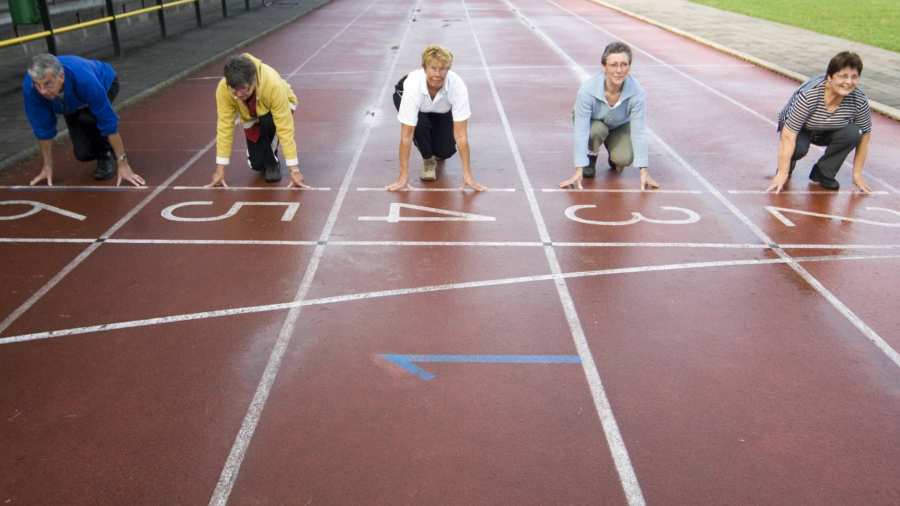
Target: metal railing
111,17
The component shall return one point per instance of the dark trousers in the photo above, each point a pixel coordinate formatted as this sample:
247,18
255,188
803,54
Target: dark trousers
434,131
838,144
262,153
87,142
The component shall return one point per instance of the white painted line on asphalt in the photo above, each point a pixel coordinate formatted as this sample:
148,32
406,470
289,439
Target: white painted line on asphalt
615,442
216,242
806,192
75,188
476,244
839,246
711,245
43,240
36,296
355,297
253,188
616,190
447,190
251,419
884,183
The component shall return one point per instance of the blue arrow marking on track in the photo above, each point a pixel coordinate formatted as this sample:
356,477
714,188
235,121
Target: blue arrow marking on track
407,362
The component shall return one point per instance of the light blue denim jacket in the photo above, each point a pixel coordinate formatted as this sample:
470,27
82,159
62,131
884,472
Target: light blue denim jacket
590,104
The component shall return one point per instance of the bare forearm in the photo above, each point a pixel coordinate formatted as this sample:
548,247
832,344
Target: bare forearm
786,146
463,148
859,157
115,140
47,152
405,147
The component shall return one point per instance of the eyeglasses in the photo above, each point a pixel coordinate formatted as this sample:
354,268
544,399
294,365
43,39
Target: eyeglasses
619,65
845,76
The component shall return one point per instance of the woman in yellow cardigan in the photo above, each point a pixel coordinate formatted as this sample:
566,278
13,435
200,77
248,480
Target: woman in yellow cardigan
255,95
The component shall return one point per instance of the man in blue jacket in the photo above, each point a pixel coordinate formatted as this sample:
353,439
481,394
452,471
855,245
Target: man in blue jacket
82,91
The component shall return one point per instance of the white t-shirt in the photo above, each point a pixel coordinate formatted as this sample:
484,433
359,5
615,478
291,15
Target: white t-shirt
453,97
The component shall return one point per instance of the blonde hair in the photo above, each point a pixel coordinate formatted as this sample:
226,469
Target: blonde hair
436,52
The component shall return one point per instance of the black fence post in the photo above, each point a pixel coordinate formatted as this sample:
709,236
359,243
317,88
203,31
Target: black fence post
197,13
45,19
162,18
246,5
113,29
224,8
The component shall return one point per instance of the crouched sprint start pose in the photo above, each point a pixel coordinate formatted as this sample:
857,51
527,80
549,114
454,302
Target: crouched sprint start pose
433,109
828,110
82,91
610,110
255,95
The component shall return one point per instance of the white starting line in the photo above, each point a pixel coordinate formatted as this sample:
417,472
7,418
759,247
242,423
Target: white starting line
161,320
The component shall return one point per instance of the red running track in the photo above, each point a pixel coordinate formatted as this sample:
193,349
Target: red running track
740,348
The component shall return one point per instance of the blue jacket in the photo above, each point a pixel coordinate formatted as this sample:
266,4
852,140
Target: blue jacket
590,104
86,85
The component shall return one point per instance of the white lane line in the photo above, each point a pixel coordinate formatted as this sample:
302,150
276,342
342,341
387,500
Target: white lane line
839,246
355,297
251,419
146,322
217,242
806,192
476,244
36,296
617,190
418,189
711,245
857,322
42,240
843,309
884,183
615,442
254,188
75,188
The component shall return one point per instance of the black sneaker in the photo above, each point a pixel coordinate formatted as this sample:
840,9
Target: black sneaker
826,182
106,168
273,174
591,168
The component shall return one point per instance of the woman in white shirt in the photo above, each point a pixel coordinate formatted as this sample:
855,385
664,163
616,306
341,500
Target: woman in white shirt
433,110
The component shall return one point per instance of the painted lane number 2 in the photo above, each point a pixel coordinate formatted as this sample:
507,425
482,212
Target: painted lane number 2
779,214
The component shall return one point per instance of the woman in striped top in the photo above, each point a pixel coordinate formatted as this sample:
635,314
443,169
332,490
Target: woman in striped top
828,110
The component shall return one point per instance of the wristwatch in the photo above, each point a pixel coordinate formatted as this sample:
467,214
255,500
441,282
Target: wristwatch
122,158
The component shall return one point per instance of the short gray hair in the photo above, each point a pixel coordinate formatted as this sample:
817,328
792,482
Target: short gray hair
616,47
43,63
240,71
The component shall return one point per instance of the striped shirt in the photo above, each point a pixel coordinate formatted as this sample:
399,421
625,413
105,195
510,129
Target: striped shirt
806,109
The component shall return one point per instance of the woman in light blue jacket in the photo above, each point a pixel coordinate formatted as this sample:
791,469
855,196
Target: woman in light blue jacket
610,110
